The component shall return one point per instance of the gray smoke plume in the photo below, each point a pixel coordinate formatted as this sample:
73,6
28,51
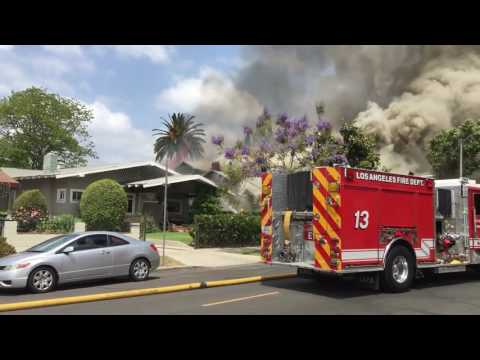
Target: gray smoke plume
404,94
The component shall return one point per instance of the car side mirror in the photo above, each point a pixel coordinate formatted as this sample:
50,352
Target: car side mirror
68,250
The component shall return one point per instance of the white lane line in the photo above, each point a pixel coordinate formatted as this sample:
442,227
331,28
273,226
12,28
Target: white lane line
241,299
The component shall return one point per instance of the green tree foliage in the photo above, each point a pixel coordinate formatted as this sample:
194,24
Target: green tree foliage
30,210
207,202
359,148
34,122
444,155
180,137
103,205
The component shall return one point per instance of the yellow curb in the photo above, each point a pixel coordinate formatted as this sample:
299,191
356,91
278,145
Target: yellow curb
133,293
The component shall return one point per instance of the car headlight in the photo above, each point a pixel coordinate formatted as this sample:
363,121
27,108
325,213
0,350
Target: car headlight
17,266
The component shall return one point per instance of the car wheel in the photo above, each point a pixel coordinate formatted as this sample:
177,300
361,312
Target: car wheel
399,270
139,270
42,280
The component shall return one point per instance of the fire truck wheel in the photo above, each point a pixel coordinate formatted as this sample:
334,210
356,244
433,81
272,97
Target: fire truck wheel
399,270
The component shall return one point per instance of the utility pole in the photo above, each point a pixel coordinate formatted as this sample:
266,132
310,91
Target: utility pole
462,196
461,158
165,212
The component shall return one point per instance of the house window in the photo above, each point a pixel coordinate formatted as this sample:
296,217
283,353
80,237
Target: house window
131,204
61,195
75,195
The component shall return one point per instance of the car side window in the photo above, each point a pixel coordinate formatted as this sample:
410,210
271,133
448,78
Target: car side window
90,242
116,241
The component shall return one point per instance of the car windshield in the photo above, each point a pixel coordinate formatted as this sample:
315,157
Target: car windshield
52,243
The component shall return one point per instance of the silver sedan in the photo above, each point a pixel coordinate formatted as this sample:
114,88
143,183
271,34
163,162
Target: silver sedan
78,257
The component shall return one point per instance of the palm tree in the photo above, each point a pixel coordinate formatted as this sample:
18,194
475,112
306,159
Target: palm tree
180,138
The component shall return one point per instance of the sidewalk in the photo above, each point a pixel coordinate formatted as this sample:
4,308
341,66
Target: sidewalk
204,257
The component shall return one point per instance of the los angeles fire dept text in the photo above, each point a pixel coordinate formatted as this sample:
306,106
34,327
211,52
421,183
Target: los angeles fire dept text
388,178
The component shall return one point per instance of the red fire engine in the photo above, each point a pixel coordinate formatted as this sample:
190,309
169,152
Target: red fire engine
343,220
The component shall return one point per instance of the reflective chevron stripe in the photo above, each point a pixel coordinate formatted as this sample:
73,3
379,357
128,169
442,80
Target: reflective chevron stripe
327,221
266,215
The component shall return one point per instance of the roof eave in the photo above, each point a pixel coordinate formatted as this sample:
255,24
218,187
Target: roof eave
83,173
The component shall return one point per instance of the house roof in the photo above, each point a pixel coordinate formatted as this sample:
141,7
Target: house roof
221,173
185,168
5,179
20,174
171,180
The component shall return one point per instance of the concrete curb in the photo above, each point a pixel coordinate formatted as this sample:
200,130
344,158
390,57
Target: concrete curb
137,292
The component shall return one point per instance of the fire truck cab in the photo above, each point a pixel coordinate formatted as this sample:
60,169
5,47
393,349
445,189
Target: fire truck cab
342,220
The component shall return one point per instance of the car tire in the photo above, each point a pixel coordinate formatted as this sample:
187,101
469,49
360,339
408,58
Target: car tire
42,280
139,270
399,271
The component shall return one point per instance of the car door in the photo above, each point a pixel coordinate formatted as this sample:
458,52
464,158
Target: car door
122,254
90,259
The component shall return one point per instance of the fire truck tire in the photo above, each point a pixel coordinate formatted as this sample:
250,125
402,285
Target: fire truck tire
399,271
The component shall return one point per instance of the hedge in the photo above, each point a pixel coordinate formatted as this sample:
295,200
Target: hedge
103,205
226,230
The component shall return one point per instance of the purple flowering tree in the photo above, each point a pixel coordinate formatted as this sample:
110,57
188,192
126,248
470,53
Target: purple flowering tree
282,143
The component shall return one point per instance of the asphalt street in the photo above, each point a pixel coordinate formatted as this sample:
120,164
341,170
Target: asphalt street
448,294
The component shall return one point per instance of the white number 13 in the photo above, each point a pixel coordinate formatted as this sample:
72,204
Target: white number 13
361,219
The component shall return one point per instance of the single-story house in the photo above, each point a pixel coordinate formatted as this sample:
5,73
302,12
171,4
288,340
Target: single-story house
143,182
8,186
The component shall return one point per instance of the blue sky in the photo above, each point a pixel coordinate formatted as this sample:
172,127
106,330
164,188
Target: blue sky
128,87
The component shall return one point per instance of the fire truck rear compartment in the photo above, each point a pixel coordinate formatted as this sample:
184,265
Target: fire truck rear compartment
292,219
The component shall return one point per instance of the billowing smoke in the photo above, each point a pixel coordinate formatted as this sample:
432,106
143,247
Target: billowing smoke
404,94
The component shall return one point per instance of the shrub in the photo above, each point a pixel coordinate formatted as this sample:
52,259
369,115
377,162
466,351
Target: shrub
207,202
31,199
104,205
5,248
58,224
150,224
224,230
30,209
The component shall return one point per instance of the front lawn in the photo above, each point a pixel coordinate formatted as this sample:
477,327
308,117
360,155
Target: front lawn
177,236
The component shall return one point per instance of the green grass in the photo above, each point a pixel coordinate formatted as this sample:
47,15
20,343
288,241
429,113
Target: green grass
177,236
